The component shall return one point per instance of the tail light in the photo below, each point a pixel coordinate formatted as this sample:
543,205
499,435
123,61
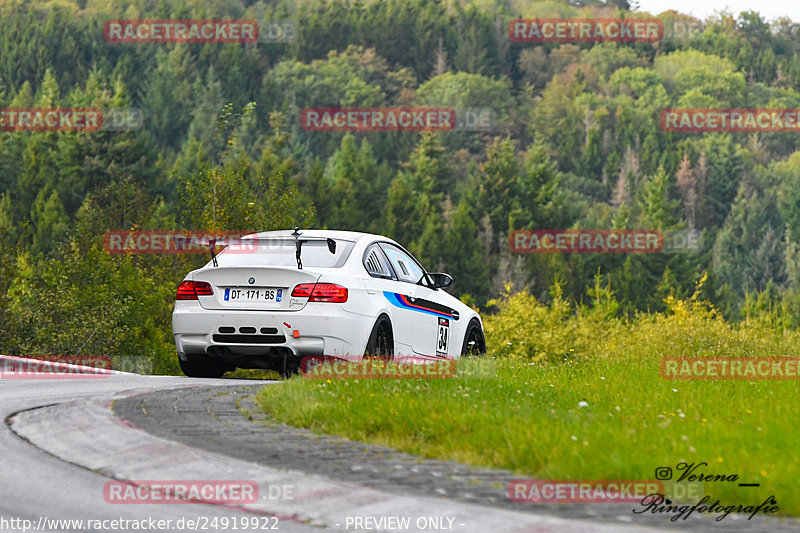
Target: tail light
328,292
303,290
321,292
190,290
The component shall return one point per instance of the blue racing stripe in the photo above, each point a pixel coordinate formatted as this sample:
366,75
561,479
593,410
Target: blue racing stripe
397,301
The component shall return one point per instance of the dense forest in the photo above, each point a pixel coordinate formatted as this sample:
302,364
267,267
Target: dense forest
577,144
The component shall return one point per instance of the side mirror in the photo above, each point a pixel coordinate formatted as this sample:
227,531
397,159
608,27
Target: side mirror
441,280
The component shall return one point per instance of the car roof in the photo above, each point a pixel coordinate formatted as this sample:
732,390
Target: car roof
322,233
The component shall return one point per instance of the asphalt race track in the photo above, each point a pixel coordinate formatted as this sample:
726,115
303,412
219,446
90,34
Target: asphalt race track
36,485
65,441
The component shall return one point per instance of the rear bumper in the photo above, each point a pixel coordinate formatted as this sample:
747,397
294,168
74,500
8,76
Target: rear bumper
320,329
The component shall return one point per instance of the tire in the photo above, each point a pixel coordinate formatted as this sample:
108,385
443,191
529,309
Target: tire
202,368
474,341
381,339
288,368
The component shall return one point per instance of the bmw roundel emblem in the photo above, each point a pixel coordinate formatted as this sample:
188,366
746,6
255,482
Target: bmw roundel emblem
251,281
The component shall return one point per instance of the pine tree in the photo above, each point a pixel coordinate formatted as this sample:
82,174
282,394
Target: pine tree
687,184
353,176
210,102
658,211
539,199
748,250
497,182
166,93
49,222
417,192
463,257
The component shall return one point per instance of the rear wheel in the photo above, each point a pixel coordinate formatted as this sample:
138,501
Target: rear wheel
474,342
381,339
202,368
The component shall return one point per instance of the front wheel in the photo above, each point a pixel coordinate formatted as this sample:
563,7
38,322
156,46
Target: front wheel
202,368
474,342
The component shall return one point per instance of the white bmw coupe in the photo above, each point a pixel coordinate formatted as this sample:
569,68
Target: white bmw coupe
274,297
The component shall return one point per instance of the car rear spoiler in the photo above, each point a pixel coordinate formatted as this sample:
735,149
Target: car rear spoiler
298,243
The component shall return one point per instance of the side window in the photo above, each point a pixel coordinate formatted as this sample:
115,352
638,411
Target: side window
375,263
404,265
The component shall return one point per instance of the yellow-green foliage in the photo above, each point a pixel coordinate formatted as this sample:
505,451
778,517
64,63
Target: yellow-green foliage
526,328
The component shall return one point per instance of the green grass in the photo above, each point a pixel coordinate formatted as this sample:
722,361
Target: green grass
247,373
520,410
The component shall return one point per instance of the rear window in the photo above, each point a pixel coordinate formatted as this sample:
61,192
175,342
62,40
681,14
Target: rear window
281,252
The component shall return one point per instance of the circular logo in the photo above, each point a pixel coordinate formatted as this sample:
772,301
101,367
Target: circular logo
251,281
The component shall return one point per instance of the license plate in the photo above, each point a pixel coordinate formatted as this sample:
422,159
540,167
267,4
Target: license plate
253,294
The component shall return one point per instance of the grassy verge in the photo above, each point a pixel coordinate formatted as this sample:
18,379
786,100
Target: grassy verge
524,409
252,373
